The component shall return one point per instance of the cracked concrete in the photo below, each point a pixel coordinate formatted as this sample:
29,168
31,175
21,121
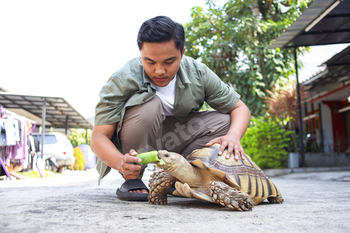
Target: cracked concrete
314,202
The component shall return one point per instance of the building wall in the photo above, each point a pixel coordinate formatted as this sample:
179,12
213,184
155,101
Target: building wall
325,119
327,129
327,159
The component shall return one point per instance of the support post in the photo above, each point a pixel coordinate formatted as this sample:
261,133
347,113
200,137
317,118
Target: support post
321,128
66,126
300,114
86,136
43,119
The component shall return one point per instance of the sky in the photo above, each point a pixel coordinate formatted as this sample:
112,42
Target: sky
313,60
70,48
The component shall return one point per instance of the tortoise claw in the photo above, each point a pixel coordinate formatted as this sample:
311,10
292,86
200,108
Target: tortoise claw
278,199
183,189
160,184
230,197
158,201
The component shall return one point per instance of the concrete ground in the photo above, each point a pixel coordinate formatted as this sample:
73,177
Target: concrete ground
73,202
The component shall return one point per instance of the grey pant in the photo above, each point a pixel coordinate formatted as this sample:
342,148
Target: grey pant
146,128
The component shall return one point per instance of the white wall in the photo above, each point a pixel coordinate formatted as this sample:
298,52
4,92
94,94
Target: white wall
327,128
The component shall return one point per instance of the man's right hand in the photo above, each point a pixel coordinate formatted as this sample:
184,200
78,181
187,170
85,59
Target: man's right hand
127,166
103,147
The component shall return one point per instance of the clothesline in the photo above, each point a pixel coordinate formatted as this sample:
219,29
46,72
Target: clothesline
14,131
21,118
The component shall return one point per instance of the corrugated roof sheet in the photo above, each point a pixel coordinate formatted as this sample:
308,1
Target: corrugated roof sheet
59,112
333,28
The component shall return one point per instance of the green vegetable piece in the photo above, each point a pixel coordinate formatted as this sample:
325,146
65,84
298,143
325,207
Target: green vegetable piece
161,162
148,157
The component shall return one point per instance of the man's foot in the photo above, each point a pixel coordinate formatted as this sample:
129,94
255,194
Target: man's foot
138,191
133,190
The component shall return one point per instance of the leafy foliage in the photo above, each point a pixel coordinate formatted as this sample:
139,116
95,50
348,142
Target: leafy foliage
282,105
79,137
266,142
206,107
233,39
79,163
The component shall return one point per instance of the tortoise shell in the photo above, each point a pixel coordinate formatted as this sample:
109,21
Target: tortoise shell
244,175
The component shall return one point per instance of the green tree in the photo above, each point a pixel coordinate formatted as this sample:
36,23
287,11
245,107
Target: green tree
78,137
233,39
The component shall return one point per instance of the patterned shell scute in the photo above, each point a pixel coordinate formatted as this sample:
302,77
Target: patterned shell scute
243,173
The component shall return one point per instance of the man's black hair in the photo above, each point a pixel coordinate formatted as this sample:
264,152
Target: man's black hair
161,29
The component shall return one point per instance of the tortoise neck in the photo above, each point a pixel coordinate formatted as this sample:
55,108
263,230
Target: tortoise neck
182,170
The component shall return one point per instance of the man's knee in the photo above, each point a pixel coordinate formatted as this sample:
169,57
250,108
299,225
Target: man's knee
142,125
215,122
146,113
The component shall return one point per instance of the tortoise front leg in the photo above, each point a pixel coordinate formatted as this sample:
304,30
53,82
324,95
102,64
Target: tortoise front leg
229,197
159,184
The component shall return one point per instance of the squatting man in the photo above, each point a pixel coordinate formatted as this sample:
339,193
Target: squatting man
153,103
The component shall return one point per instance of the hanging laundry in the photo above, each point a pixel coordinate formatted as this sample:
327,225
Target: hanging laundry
2,133
17,130
10,132
17,151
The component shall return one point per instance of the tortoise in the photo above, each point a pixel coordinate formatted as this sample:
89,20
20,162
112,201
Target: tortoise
238,185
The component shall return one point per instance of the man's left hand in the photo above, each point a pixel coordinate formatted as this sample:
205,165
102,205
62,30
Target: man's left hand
232,143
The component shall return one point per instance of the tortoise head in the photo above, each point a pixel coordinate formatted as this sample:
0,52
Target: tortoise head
171,159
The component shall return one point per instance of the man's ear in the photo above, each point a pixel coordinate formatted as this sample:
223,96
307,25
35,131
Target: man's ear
182,53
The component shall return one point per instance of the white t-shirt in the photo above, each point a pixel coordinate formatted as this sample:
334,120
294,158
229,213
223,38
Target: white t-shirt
167,96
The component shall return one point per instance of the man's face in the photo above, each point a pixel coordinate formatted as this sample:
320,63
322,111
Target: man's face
161,61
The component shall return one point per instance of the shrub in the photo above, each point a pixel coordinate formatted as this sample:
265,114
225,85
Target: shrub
78,137
79,163
282,105
266,142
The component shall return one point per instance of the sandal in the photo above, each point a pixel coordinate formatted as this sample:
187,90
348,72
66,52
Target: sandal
124,194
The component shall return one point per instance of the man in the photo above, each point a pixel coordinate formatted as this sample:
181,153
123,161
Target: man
152,103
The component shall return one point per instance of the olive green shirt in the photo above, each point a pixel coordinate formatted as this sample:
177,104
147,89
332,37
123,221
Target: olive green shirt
130,86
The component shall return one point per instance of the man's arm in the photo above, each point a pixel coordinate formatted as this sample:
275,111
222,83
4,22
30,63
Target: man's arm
240,118
103,147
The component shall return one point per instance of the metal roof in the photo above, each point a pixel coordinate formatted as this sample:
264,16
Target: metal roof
323,22
59,113
338,70
340,59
